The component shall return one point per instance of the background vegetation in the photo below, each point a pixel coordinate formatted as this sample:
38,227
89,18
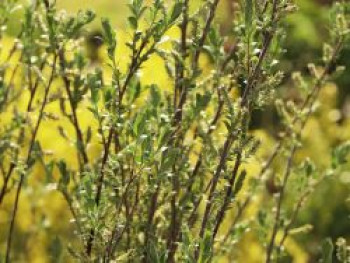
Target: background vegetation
41,234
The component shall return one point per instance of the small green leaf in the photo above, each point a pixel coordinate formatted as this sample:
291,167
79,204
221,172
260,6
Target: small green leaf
110,37
154,95
206,248
239,183
228,102
248,15
309,167
49,169
202,101
133,22
65,177
88,135
214,38
139,123
169,159
56,250
176,12
340,155
134,91
342,250
327,251
108,96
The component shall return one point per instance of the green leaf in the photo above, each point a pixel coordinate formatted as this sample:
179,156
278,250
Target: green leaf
309,167
340,155
154,95
108,95
342,250
65,177
133,22
94,86
206,248
228,102
36,154
327,251
248,15
139,123
202,101
169,159
214,38
176,12
110,37
134,90
56,249
88,135
164,136
239,182
48,170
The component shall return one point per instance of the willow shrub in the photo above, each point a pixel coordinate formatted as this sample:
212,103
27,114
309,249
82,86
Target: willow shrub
170,182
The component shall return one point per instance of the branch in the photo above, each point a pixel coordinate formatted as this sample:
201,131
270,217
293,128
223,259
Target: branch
31,146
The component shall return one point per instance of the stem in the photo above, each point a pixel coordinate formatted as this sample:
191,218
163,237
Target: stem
99,190
73,105
228,196
220,167
13,164
208,23
279,205
152,210
238,216
180,86
34,135
309,102
257,69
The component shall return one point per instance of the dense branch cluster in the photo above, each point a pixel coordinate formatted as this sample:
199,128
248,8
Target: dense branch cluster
171,180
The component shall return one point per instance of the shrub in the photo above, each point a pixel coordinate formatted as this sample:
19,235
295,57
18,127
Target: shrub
162,169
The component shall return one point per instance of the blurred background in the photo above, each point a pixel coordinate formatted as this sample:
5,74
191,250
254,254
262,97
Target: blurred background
328,210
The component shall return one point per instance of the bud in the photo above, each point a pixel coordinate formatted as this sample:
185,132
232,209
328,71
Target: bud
341,24
327,53
313,70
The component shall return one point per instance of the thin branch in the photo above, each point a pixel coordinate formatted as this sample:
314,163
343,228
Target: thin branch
279,205
13,164
205,32
79,134
31,146
221,214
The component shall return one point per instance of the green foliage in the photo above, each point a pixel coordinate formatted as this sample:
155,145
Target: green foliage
327,251
173,162
340,155
342,251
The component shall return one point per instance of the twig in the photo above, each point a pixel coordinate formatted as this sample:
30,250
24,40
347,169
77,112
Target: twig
79,134
228,196
31,146
279,204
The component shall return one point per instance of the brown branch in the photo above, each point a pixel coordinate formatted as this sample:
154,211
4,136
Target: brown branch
151,212
279,204
268,36
202,39
21,133
99,189
79,134
216,176
181,87
221,214
31,146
